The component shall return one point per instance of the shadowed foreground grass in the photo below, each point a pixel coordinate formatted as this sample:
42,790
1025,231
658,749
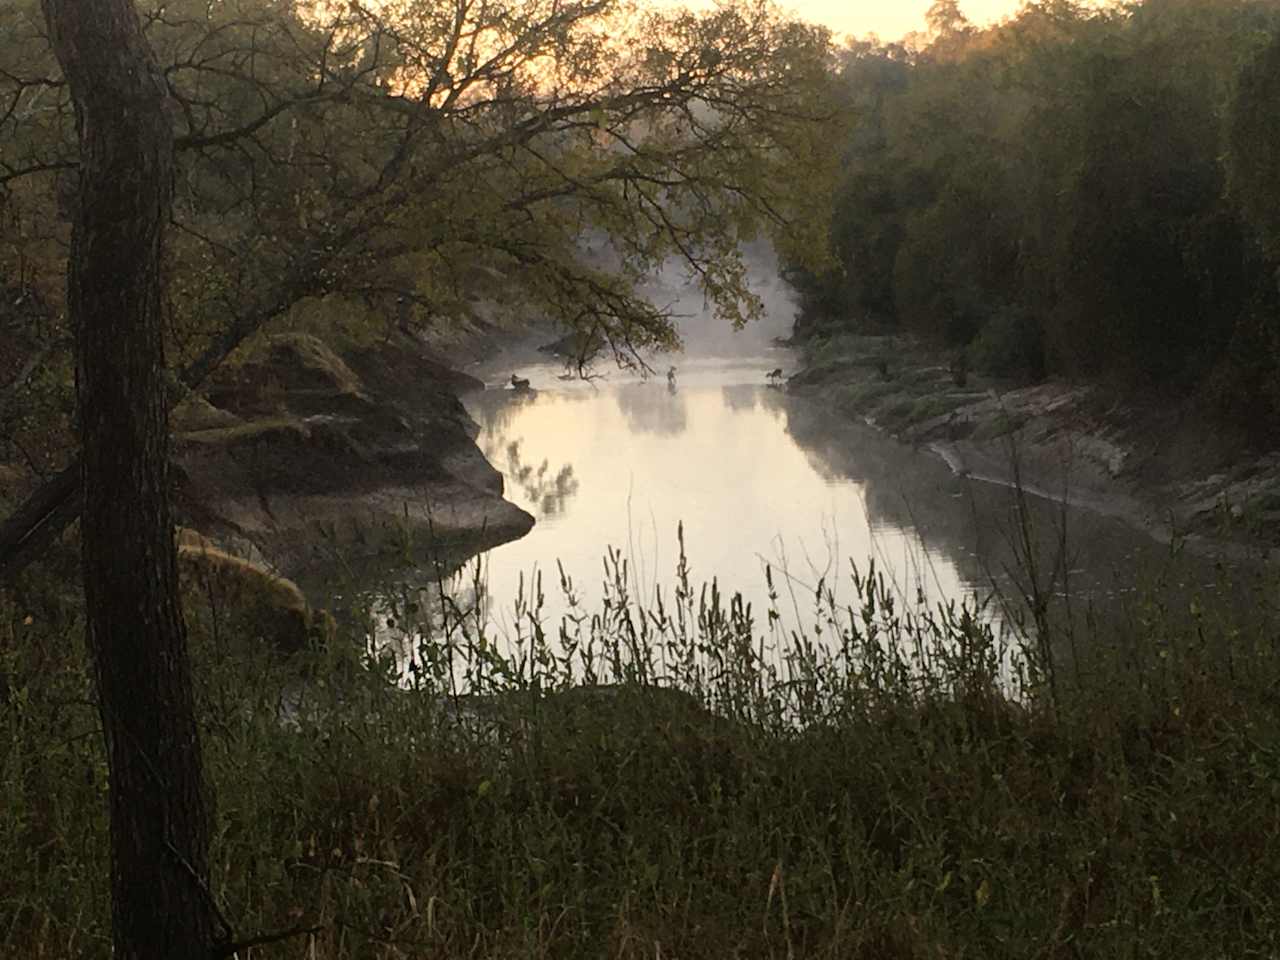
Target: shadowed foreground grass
658,783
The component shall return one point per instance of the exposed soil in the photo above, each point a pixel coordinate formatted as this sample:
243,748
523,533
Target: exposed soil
1159,464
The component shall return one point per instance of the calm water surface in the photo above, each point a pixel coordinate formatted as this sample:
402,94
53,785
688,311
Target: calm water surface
759,480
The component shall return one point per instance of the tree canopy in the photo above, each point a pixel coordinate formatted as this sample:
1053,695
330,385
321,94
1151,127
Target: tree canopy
426,163
206,168
1078,190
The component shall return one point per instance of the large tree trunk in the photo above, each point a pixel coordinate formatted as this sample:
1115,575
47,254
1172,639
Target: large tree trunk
159,831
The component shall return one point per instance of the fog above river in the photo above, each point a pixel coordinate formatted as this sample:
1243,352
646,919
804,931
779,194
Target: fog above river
757,478
761,481
705,335
625,464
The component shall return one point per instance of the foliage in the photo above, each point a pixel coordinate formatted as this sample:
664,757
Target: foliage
1077,190
431,165
1010,344
892,786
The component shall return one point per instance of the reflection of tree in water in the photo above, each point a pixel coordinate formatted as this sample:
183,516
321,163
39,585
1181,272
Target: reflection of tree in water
650,410
546,491
903,488
740,397
496,409
745,397
1092,563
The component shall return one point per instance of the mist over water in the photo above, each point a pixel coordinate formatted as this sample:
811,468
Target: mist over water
760,483
704,334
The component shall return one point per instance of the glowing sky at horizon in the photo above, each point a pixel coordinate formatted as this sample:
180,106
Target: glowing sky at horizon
887,19
890,19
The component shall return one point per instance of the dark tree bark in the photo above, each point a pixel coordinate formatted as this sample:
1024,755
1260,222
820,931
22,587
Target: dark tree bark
159,831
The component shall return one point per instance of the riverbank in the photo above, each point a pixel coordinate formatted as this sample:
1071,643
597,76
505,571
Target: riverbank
883,798
1157,465
885,787
307,455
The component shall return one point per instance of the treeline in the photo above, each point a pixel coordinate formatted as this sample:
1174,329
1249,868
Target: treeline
1076,192
351,167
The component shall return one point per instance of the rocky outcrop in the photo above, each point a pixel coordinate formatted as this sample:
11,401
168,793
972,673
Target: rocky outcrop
304,457
263,605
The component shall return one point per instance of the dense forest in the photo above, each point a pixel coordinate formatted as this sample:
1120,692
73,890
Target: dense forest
1080,191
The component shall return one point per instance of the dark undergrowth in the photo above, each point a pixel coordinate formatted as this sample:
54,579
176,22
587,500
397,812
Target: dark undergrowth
683,781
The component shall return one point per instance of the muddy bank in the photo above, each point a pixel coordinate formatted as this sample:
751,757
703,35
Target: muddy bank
1159,465
308,457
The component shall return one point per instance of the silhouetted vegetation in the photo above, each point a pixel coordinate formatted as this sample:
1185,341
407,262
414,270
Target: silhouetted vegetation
1077,191
682,778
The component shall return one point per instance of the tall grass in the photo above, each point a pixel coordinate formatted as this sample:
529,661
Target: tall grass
681,776
764,668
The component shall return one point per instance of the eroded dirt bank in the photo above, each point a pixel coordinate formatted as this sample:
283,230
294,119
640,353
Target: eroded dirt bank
1161,466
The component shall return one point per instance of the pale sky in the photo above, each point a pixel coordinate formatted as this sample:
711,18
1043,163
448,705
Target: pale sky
890,19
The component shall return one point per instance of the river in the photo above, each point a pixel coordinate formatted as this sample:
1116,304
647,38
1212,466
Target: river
773,497
757,478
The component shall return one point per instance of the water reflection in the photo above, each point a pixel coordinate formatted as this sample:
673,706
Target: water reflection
545,491
778,501
649,409
743,397
500,408
1020,550
716,456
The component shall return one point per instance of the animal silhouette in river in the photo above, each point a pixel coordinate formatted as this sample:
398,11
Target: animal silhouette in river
519,383
671,379
775,377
